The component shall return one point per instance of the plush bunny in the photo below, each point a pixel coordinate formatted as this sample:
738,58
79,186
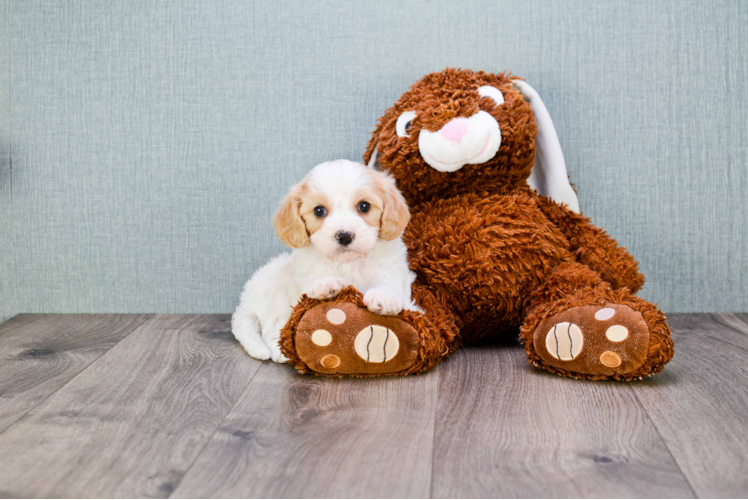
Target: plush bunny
498,245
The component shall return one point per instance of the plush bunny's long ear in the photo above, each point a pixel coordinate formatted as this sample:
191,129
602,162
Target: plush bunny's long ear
549,176
373,163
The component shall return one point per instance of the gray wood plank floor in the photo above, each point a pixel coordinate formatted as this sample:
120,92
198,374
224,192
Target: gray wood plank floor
41,353
516,429
170,406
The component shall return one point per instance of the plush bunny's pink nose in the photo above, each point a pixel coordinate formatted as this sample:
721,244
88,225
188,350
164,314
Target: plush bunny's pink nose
455,129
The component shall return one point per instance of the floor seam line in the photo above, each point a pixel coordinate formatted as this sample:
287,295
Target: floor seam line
665,443
728,326
433,434
76,375
188,469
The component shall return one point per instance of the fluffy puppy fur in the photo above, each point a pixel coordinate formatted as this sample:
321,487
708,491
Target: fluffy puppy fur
344,221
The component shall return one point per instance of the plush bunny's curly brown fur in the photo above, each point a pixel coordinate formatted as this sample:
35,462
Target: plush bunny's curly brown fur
494,258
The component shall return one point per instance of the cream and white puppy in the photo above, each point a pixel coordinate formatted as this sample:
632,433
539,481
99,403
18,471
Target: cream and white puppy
344,221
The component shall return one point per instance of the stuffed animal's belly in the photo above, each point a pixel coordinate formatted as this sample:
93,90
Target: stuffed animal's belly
484,255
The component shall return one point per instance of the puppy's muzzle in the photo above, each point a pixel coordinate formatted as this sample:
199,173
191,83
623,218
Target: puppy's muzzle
344,237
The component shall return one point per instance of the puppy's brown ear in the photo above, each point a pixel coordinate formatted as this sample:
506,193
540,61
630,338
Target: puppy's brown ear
395,213
288,222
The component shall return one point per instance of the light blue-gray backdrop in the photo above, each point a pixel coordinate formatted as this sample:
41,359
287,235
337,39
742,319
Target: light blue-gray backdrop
144,145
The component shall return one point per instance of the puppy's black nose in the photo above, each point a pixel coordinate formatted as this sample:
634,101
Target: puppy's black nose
344,237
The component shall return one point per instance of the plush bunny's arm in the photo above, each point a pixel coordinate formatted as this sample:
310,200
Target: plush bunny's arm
594,247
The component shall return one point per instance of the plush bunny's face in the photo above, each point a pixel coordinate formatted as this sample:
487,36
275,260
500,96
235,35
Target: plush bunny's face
461,141
456,131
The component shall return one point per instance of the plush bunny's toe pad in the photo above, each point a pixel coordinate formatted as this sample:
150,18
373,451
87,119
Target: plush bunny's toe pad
594,340
341,338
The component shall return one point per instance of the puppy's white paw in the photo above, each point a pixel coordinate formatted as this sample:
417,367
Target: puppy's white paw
325,288
257,350
245,331
273,345
382,301
277,356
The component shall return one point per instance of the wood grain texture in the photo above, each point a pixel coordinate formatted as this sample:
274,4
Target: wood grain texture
504,429
699,404
40,353
133,422
177,408
302,436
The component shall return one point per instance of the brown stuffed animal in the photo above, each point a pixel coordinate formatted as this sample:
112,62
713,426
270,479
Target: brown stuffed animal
498,246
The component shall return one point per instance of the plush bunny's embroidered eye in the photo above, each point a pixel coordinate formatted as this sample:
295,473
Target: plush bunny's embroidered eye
493,93
403,123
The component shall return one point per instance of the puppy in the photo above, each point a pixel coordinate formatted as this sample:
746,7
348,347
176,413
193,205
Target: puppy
344,221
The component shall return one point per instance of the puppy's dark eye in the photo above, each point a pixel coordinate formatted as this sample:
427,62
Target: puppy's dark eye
363,206
320,211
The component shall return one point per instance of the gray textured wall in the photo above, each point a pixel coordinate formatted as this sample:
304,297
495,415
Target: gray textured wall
144,145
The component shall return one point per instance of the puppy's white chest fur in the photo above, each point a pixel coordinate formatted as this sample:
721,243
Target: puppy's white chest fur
386,263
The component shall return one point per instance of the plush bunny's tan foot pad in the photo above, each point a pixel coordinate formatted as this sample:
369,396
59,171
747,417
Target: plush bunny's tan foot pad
594,340
342,338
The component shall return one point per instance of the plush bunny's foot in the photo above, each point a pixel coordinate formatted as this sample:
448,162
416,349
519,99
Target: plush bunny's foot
344,339
598,340
579,326
341,337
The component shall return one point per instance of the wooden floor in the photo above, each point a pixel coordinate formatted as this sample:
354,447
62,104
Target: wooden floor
171,406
